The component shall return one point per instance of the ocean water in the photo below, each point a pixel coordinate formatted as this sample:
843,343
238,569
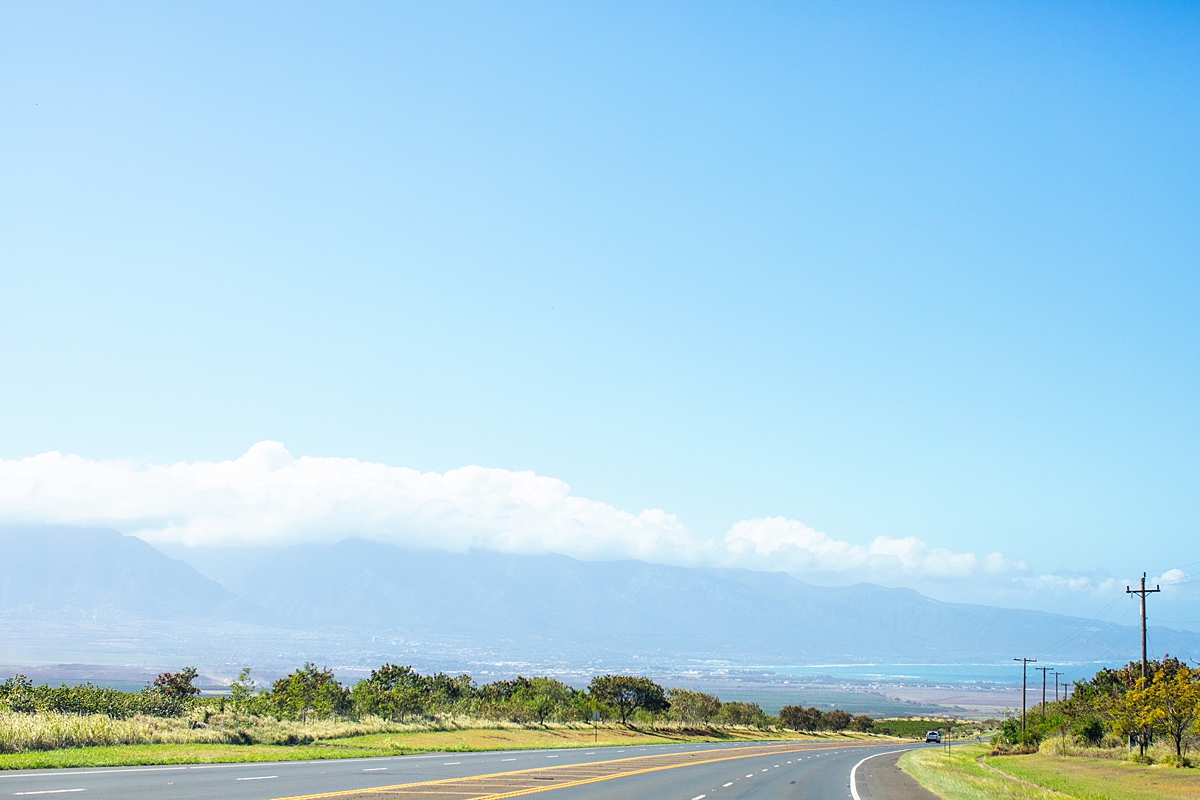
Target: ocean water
998,674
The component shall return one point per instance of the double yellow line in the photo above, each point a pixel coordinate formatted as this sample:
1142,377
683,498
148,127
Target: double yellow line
402,787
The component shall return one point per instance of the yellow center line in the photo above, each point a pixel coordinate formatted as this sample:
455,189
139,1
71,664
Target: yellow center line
763,751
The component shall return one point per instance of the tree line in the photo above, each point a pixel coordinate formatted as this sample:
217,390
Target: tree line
1118,707
399,693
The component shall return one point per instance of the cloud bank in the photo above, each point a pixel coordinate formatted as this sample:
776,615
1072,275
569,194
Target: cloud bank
268,497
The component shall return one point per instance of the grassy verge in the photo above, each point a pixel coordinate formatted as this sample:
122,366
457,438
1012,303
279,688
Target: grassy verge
1102,778
960,777
389,744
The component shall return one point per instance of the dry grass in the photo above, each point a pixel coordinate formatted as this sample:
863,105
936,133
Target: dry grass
516,737
60,740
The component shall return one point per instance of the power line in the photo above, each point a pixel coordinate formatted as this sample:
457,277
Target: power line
1025,662
1100,632
1085,625
1141,593
1044,671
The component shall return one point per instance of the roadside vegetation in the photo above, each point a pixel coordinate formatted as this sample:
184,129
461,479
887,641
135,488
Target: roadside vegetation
309,714
1119,736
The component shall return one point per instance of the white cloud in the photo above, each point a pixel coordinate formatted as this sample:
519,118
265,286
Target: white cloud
1173,576
781,543
269,497
1096,583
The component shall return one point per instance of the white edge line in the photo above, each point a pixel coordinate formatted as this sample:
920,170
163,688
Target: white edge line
854,769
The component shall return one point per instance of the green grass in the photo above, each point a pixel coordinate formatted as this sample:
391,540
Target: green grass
465,739
960,777
1102,778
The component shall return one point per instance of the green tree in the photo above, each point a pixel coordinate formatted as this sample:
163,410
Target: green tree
544,697
627,694
799,718
836,720
693,707
241,690
309,692
171,692
1173,697
862,723
739,713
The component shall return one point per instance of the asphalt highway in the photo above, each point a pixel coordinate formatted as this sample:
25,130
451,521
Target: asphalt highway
660,772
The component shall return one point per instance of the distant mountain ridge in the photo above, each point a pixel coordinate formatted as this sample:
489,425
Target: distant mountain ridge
358,602
93,571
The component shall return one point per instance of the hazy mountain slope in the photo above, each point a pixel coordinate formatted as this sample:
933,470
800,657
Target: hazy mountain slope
540,606
95,572
77,592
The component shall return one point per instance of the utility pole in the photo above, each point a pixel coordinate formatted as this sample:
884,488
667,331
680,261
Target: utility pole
1044,671
1141,593
1025,662
1056,685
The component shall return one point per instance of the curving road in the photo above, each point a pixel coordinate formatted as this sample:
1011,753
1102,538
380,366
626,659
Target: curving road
813,771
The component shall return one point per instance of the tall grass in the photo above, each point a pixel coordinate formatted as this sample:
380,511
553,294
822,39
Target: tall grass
51,730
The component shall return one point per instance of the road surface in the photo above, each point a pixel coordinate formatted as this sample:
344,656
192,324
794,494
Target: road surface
812,771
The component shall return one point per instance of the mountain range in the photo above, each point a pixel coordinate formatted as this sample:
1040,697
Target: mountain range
359,603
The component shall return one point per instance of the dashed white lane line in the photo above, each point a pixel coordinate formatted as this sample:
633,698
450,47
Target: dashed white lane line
726,785
51,791
375,769
451,763
700,797
751,775
257,778
508,759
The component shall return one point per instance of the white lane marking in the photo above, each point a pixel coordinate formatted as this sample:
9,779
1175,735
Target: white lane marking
751,775
700,797
551,756
19,773
257,778
451,763
508,759
853,784
726,785
52,791
375,769
764,770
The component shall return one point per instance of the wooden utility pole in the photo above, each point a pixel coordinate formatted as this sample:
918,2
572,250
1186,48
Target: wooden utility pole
1056,685
1141,593
1025,662
1044,671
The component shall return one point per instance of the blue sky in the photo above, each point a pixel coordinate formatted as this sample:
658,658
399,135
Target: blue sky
893,270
